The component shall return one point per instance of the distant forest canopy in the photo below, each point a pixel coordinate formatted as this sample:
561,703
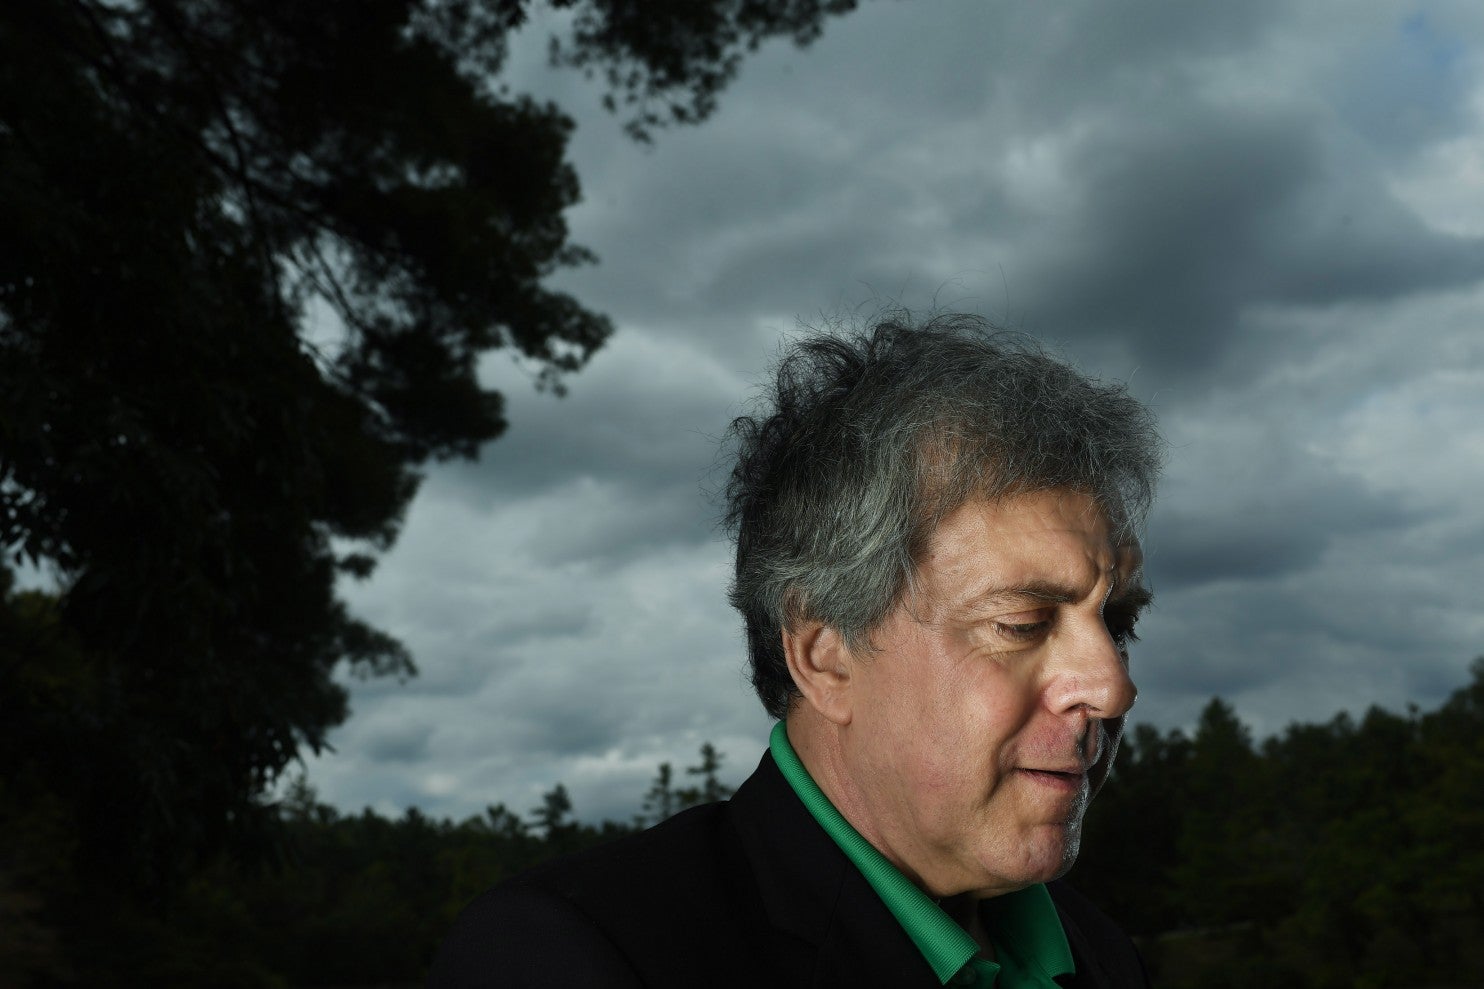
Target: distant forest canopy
1342,853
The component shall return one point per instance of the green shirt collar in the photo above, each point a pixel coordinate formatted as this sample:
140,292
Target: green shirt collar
1030,945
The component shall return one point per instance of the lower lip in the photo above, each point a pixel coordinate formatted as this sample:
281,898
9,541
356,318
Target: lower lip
1060,782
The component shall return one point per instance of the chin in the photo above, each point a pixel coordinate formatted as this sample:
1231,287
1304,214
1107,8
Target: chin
1054,855
1068,856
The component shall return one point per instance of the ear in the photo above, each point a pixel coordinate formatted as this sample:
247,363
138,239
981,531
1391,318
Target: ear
820,664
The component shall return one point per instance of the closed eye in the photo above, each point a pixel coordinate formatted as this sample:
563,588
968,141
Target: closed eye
1120,623
1025,632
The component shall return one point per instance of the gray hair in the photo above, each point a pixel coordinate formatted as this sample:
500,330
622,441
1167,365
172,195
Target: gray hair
867,440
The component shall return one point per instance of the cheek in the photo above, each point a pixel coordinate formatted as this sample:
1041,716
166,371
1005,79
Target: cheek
1004,724
1000,694
958,746
948,710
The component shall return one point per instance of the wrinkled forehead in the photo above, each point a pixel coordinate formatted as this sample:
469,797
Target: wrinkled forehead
950,472
940,501
1057,537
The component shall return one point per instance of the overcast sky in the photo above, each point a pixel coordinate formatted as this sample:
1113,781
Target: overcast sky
1269,217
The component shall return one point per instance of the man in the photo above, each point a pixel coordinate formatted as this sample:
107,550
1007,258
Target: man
938,572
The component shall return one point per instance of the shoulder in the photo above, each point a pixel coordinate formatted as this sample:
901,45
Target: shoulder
1096,941
666,899
526,936
690,864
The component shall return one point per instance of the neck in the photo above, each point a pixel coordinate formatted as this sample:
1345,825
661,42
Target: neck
817,741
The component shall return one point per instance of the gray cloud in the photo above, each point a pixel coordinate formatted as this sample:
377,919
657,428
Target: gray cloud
1268,213
545,622
1407,89
1180,205
1280,530
399,743
1193,220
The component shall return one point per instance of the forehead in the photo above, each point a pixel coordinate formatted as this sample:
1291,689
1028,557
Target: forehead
1061,538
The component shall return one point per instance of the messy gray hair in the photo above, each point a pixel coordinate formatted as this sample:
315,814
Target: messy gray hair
867,440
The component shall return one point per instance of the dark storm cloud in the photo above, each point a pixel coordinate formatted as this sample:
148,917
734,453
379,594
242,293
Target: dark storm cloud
625,523
1435,680
602,431
1184,209
564,724
623,460
1380,620
1152,32
1243,203
1200,549
1057,62
565,619
398,743
1194,219
751,224
1267,534
1200,673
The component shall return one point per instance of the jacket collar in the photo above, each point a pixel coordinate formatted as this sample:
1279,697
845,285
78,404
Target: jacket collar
812,891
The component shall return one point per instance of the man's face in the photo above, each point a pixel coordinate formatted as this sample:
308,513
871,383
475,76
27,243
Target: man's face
984,719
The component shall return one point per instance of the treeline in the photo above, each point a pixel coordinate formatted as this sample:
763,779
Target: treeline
323,899
1347,853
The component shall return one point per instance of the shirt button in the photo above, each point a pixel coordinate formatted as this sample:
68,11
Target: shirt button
965,976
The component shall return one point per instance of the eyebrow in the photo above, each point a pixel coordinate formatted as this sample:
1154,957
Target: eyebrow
1128,593
1034,592
1040,591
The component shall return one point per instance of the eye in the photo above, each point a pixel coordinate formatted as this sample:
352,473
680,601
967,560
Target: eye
1024,631
1120,623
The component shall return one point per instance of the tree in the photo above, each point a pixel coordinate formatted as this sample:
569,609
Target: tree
186,440
661,801
1225,837
664,799
551,816
711,788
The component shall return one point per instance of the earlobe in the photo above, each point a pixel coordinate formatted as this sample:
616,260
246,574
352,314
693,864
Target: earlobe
820,665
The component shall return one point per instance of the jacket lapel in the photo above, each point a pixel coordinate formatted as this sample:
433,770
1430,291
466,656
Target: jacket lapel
831,927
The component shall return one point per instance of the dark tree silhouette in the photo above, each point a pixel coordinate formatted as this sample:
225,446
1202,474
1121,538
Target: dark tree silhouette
551,818
251,253
661,801
711,789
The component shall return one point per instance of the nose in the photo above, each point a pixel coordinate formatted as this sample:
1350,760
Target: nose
1090,677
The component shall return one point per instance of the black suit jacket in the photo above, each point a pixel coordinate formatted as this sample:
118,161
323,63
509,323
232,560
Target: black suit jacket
749,892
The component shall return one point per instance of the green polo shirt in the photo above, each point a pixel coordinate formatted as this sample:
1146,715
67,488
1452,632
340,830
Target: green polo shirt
1029,945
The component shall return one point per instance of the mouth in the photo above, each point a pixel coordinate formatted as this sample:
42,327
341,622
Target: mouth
1058,780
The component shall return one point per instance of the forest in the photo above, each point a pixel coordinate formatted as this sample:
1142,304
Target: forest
1348,852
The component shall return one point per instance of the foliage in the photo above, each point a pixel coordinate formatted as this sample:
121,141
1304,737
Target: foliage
711,789
664,799
251,255
661,802
666,61
1338,854
365,900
